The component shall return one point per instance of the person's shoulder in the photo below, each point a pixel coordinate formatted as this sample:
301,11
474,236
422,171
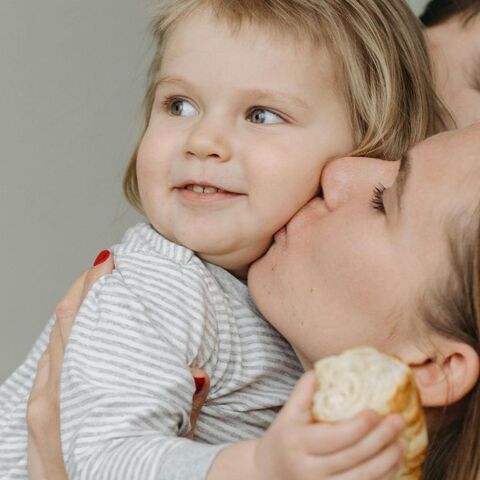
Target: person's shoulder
143,240
148,264
145,252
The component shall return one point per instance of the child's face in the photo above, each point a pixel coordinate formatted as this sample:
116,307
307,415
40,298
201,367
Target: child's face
250,114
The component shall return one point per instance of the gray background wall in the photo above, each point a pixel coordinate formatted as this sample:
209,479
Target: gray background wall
71,84
418,5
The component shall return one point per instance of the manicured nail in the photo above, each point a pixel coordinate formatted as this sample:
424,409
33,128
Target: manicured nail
199,383
101,257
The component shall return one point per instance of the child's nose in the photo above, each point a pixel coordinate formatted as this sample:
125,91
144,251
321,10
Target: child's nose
346,178
208,141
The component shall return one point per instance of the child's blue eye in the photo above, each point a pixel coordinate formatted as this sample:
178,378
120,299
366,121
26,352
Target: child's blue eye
264,116
179,107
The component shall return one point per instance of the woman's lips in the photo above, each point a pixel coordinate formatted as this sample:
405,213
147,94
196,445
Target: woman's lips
311,212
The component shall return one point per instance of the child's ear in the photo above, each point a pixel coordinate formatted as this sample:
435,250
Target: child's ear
449,377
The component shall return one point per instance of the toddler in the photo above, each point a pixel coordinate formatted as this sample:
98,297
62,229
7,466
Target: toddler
247,101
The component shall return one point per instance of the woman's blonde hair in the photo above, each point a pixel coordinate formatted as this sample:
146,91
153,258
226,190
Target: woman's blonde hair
378,46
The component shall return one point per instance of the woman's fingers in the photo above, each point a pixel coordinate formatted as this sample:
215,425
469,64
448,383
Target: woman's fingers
43,420
47,379
69,305
103,265
67,308
56,350
43,368
34,410
202,383
45,459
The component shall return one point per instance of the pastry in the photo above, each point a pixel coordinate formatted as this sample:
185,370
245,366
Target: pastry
365,379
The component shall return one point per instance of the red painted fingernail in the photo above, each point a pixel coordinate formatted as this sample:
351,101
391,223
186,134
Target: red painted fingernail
101,257
199,383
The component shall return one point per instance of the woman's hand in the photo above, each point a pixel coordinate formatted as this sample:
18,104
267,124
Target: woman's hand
45,460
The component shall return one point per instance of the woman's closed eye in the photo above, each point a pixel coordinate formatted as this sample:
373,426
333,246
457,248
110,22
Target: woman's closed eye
376,200
261,115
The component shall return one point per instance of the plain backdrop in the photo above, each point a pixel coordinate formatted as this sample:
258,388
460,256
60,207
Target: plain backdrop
72,77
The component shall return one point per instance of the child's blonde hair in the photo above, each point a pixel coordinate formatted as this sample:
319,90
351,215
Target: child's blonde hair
382,60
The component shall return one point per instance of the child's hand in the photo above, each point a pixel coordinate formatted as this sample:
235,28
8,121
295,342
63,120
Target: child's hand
363,448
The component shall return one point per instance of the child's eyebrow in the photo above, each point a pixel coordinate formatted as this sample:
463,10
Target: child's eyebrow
253,94
273,95
167,79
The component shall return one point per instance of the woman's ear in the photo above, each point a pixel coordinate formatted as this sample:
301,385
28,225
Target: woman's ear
447,378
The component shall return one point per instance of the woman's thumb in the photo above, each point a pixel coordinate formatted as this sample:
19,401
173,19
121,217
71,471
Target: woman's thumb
202,383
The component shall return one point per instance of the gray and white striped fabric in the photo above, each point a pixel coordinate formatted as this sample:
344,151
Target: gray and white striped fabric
126,385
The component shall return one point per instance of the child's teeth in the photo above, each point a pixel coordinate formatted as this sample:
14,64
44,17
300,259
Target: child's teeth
200,189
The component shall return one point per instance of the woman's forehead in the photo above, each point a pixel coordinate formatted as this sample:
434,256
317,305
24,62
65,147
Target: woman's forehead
450,155
444,182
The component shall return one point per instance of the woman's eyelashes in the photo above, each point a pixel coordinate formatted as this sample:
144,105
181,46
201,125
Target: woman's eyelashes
376,200
181,107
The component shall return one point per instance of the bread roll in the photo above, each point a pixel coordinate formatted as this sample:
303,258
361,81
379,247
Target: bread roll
365,379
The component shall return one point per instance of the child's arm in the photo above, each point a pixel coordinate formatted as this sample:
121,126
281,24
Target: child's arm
126,389
239,459
295,448
45,461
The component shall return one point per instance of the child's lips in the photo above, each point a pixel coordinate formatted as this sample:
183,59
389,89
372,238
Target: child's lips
208,195
205,187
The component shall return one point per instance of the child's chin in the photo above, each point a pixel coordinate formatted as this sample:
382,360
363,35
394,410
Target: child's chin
207,244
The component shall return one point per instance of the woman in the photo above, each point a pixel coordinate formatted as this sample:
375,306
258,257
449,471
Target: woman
399,271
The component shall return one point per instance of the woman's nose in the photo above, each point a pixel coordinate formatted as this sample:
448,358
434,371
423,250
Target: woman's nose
208,141
346,178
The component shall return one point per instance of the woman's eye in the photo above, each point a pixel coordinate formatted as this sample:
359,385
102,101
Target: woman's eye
264,116
180,107
377,198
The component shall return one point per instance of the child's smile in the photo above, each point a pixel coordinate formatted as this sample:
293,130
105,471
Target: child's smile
241,127
203,192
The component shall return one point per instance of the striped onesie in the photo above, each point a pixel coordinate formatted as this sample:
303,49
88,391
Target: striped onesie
126,387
